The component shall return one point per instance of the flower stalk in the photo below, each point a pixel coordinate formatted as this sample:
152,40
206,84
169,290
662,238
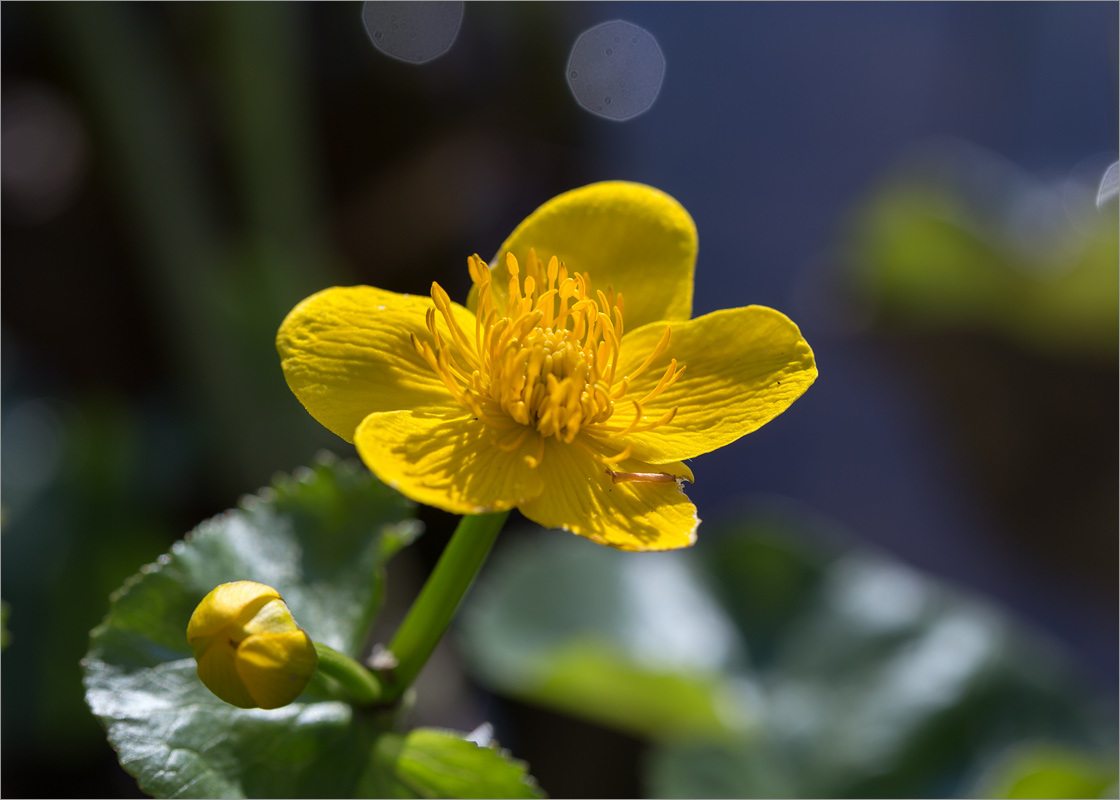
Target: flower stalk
362,685
431,613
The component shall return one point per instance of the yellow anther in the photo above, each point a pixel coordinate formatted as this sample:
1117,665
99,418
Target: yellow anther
546,363
477,268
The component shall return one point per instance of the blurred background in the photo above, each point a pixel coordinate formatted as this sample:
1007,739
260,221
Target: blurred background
914,184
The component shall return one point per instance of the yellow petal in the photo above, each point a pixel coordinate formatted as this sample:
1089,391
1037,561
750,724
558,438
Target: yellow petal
272,618
580,496
743,367
347,352
275,668
217,669
225,605
450,462
631,237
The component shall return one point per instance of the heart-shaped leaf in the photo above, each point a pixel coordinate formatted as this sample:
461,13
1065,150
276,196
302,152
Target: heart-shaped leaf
321,538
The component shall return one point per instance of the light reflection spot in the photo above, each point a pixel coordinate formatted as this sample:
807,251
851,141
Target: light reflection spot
640,66
416,32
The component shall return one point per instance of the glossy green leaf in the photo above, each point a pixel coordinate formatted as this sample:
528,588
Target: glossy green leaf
625,640
438,763
321,539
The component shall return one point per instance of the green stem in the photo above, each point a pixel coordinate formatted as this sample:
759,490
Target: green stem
362,684
430,615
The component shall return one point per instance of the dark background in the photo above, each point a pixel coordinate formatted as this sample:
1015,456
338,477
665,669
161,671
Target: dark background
177,177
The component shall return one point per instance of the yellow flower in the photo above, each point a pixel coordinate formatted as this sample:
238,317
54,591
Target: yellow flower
249,650
538,397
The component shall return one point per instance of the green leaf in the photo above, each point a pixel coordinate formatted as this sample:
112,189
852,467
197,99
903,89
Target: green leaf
624,640
864,678
706,770
321,538
179,740
439,763
1046,770
877,681
930,253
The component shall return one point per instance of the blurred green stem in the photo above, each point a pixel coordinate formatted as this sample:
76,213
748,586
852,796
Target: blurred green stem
361,684
219,296
262,49
430,615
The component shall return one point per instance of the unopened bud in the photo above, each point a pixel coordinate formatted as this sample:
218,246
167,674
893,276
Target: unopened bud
249,650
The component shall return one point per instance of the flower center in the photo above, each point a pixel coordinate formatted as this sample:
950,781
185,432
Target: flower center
546,362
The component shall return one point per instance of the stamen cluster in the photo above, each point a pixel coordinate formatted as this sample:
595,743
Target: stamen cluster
546,362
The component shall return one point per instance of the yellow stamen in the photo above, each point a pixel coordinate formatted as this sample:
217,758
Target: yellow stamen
625,454
536,462
545,363
667,380
661,345
516,443
634,424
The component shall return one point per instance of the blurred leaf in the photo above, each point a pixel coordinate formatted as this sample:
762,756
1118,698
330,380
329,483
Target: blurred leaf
5,637
1042,770
70,538
975,243
766,581
625,640
321,538
883,683
438,763
604,683
704,770
865,678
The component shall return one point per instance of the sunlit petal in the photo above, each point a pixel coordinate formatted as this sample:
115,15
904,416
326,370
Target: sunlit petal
347,352
456,463
226,604
277,667
217,669
743,367
581,496
627,236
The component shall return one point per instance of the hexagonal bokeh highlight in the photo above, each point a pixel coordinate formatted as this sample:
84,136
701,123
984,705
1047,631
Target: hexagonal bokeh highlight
615,70
416,32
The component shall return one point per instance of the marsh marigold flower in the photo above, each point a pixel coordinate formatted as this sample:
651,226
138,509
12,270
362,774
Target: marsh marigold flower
249,650
572,386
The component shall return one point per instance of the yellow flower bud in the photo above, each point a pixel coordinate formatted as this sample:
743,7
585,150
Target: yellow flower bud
249,650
